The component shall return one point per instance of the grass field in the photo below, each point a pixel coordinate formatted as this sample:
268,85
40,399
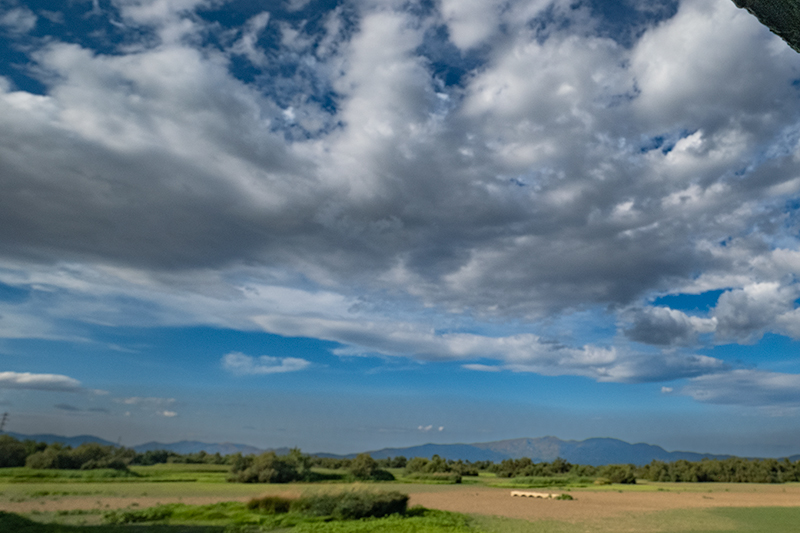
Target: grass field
78,502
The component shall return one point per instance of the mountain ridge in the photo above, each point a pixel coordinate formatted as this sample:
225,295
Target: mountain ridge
596,451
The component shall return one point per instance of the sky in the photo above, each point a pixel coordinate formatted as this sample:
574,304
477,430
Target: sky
344,225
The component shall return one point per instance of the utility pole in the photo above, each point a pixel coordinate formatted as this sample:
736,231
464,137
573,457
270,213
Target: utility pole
3,421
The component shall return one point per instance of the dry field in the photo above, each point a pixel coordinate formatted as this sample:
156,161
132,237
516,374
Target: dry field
471,499
592,504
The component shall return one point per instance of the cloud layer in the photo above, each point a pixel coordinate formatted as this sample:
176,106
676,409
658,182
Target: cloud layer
401,181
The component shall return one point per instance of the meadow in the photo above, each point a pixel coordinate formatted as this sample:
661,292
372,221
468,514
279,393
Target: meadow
195,498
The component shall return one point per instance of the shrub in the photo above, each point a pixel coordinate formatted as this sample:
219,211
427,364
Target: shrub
436,477
353,505
382,475
266,468
625,474
270,504
152,514
364,467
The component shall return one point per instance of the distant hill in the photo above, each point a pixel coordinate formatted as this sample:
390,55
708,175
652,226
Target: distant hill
182,447
465,452
598,451
69,441
193,446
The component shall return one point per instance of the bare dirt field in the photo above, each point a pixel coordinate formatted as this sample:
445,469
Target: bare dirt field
588,504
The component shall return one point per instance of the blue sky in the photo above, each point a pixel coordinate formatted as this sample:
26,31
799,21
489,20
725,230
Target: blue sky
347,225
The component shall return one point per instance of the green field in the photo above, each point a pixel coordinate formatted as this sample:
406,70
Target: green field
180,498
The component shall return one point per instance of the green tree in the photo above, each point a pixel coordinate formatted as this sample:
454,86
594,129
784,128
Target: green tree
12,452
363,466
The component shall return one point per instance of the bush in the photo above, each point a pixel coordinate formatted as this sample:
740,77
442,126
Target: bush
153,514
436,477
364,468
625,474
417,464
266,468
270,504
353,505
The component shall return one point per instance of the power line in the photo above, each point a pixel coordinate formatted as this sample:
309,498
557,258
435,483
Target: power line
3,421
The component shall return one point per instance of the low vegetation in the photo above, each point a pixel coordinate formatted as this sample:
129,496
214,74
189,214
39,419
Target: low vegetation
272,512
269,467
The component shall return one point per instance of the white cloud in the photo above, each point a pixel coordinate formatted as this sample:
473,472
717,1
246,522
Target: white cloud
568,172
145,401
168,414
665,326
746,387
241,364
481,368
18,20
745,314
470,22
247,44
45,382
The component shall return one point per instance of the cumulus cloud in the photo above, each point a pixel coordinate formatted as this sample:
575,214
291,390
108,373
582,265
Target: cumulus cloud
44,382
563,170
17,18
241,364
665,326
744,314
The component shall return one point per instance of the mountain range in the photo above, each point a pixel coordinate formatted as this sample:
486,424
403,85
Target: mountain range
595,451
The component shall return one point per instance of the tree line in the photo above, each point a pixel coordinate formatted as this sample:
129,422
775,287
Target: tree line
90,455
269,467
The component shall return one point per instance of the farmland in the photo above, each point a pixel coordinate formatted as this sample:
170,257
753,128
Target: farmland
482,504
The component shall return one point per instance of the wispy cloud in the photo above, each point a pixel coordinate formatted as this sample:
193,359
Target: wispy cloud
241,364
46,382
748,388
145,401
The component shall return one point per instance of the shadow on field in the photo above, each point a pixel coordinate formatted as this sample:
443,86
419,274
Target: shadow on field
10,522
